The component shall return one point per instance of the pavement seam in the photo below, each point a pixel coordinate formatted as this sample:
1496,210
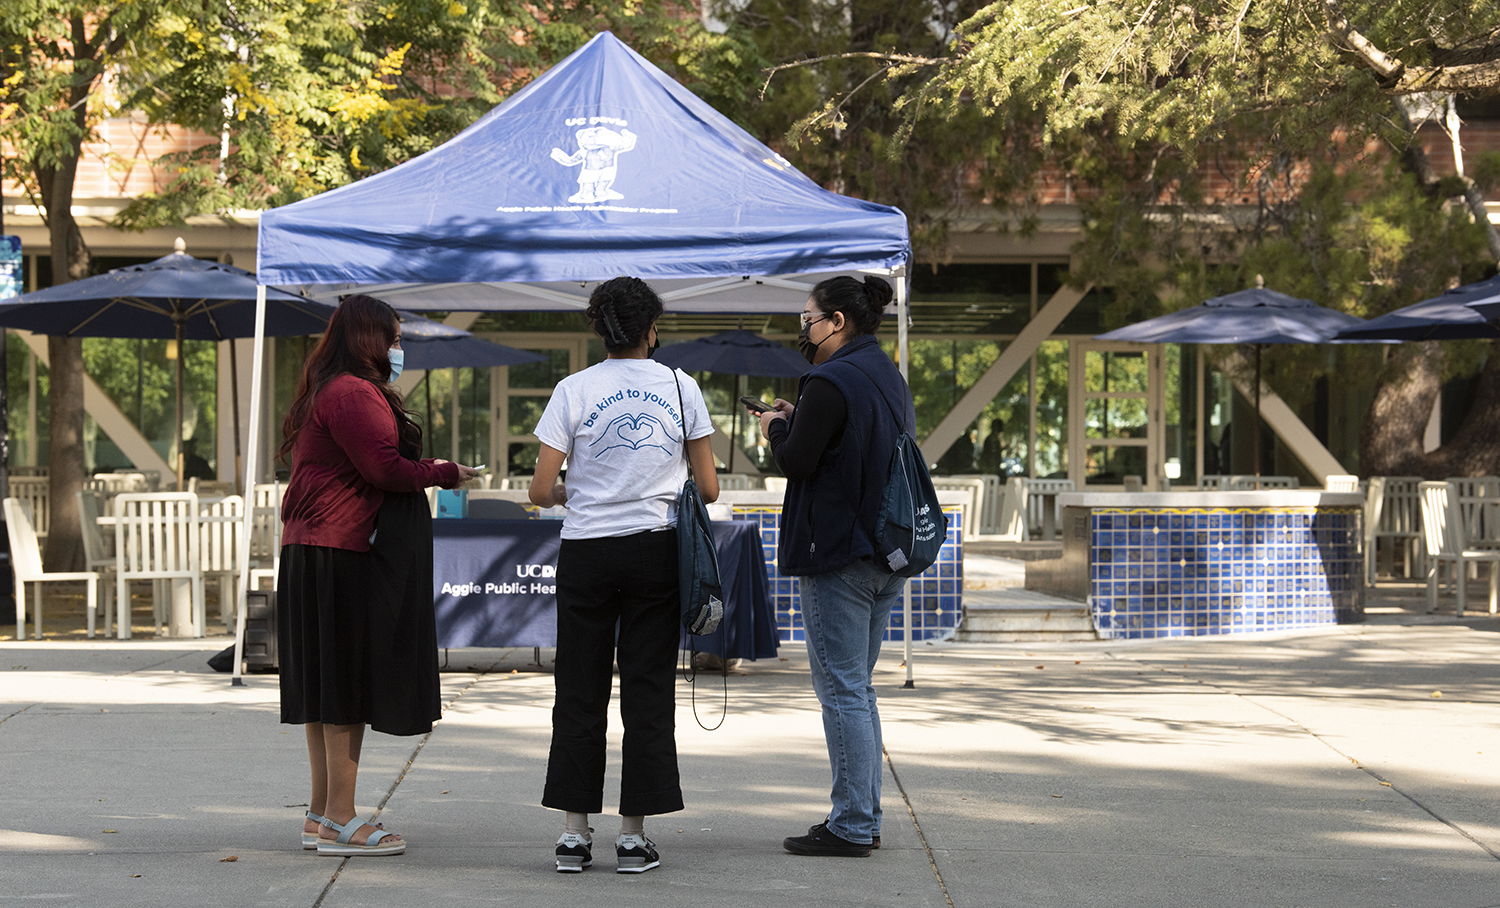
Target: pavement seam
931,860
399,778
1357,764
16,713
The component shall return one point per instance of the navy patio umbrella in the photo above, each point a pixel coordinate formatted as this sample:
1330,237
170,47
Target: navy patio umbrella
433,345
1484,297
735,352
176,296
1256,316
1447,316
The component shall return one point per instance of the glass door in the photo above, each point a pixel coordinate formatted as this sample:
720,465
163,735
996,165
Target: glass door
1116,415
519,394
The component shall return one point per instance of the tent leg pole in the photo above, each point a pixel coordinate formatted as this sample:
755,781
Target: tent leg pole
252,448
234,403
1256,428
906,621
181,455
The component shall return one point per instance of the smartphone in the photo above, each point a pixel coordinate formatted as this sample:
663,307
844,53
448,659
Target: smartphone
479,466
756,404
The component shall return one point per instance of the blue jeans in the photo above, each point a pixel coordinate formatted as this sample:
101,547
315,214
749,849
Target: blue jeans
844,614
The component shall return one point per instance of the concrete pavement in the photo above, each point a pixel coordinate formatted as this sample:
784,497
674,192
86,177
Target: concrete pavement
1356,766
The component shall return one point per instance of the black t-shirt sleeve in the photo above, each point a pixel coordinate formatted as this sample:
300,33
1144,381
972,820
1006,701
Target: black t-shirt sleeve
817,426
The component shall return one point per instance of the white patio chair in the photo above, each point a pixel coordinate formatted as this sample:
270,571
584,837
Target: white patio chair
775,483
221,525
990,502
265,534
1341,483
157,538
1039,492
737,482
207,488
34,491
1393,511
1211,482
26,567
1443,527
96,552
973,486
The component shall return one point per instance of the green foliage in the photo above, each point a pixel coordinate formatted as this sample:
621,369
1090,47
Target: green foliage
313,94
839,122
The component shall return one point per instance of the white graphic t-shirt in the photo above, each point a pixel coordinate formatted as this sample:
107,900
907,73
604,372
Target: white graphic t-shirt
618,423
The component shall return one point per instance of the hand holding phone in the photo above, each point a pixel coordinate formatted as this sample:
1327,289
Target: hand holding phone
755,404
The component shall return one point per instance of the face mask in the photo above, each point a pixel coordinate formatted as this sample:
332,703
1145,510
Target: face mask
654,345
397,358
805,344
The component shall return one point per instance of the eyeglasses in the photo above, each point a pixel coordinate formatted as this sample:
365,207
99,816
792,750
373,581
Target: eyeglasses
809,321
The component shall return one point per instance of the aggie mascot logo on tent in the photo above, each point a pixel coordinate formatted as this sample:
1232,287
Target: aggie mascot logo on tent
599,150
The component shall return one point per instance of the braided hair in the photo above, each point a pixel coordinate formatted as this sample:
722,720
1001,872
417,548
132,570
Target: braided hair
621,310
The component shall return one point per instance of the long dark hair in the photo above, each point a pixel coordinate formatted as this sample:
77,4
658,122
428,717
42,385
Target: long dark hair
357,343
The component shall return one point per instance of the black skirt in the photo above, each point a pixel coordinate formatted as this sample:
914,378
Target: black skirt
355,630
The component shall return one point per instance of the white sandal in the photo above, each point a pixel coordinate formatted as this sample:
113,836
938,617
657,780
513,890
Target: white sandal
310,839
376,845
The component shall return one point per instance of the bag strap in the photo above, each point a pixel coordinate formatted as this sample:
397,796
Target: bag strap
899,416
682,417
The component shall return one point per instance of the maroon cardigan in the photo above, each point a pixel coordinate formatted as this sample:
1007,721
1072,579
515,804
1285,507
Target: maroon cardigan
344,461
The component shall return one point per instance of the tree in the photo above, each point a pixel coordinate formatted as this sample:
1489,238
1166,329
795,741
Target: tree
57,56
1304,109
306,95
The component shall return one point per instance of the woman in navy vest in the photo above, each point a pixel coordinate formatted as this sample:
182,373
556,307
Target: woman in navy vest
835,446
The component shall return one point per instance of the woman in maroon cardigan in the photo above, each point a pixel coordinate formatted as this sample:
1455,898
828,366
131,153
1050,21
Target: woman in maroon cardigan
357,637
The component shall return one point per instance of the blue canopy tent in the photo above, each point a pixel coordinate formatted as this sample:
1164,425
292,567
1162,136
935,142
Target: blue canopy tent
600,167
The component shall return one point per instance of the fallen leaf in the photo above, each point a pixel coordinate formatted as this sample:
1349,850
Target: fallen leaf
135,876
1057,796
109,830
1386,784
1041,666
447,790
229,860
1437,695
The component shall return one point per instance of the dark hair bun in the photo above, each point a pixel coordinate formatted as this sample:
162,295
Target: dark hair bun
863,304
880,292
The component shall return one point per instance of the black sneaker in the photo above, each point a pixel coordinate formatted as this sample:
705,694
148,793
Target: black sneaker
636,854
574,852
819,842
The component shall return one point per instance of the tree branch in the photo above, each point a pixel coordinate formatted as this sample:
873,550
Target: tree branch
889,58
1387,66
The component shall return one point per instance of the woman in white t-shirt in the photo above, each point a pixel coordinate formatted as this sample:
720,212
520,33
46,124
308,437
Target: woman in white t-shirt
622,426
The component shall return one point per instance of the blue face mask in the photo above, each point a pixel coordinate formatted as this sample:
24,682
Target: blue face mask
397,358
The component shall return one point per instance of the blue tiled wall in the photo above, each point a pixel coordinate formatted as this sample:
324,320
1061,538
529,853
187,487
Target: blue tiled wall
1186,572
936,595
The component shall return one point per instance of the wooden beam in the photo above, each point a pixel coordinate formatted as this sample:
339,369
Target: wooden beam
1012,359
1285,423
115,424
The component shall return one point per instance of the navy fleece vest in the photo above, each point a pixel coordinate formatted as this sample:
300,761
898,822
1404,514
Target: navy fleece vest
828,520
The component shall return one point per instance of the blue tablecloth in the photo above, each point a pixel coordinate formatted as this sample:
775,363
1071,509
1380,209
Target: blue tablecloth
494,584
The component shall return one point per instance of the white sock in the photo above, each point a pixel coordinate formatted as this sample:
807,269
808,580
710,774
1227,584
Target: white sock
632,825
577,823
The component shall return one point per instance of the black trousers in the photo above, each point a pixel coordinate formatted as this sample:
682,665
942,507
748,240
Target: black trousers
629,583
